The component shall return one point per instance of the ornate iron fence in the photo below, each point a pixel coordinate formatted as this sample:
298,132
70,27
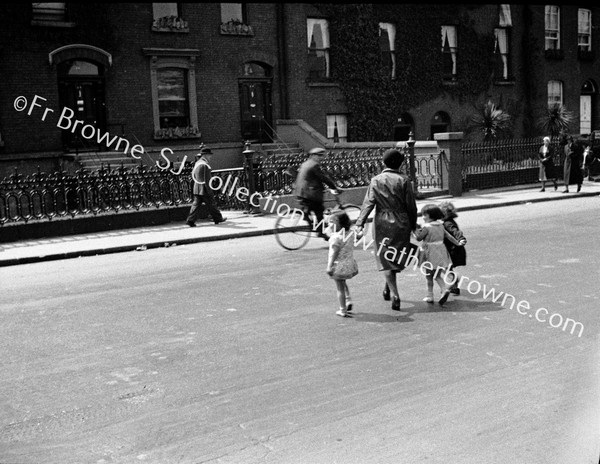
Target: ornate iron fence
47,196
503,162
350,168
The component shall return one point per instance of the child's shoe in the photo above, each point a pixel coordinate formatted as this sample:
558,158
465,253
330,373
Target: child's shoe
348,307
342,313
428,299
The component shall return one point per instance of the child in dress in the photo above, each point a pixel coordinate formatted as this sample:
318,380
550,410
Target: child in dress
341,264
434,251
458,254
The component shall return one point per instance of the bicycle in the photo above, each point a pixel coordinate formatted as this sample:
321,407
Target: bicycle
293,231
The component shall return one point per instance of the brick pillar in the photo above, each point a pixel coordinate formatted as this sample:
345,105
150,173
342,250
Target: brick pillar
451,145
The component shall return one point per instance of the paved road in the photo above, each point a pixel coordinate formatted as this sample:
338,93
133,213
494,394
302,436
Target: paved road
230,352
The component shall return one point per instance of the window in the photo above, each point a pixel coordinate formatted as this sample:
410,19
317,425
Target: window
505,18
555,94
168,18
165,10
173,80
337,128
173,103
584,30
318,48
449,48
49,11
50,14
387,40
552,24
234,12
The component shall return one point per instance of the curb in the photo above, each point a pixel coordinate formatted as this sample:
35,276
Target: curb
254,233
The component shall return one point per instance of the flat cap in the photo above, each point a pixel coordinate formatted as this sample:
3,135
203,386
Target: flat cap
318,151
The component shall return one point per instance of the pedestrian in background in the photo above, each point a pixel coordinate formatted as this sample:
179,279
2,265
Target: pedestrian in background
572,167
309,188
433,250
547,168
341,264
202,191
458,254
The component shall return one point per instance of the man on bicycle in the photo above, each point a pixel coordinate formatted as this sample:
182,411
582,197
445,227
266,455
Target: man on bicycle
310,187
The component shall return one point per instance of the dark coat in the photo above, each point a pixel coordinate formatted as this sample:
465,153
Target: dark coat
310,180
201,174
573,173
458,254
391,194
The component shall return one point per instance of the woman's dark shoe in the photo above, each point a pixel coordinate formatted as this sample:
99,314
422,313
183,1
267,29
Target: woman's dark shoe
396,304
386,293
444,297
455,291
579,188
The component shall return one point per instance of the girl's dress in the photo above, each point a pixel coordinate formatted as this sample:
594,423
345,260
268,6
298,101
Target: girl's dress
345,266
433,249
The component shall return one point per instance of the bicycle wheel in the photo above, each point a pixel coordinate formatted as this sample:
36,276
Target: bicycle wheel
353,211
292,232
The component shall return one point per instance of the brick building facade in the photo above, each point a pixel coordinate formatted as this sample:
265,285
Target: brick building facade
174,75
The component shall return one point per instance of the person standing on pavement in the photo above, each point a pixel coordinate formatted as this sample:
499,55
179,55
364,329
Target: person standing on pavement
547,168
310,189
572,167
203,193
391,195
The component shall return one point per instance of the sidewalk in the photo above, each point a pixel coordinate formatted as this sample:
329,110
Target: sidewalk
240,225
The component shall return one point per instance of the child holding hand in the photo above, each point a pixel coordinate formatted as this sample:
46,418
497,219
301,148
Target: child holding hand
341,264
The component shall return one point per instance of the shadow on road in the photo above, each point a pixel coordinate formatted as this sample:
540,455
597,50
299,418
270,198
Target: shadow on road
458,305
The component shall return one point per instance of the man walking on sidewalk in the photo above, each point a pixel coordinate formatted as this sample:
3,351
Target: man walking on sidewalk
201,175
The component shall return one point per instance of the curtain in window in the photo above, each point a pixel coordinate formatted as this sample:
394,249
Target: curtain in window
318,33
554,92
505,19
585,22
337,128
387,31
502,44
449,38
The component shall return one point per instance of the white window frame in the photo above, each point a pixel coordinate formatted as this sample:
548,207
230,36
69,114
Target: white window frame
450,32
505,17
391,30
310,25
552,27
584,29
341,120
555,92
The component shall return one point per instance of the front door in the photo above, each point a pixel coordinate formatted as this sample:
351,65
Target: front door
255,109
81,89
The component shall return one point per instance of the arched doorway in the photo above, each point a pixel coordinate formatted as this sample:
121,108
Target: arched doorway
81,89
404,127
255,102
440,123
586,100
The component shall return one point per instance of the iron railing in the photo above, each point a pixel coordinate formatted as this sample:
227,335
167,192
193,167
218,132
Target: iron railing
46,196
350,168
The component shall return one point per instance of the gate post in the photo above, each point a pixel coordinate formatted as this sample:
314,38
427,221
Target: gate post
450,145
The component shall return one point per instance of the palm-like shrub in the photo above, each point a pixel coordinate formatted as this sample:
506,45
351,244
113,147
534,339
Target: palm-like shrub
556,121
490,122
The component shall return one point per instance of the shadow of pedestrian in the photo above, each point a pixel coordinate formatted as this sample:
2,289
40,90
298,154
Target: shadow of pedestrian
370,317
455,306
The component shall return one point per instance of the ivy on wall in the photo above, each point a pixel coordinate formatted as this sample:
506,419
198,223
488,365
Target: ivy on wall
373,98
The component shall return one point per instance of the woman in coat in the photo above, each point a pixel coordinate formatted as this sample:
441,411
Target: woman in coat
391,195
572,167
547,169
